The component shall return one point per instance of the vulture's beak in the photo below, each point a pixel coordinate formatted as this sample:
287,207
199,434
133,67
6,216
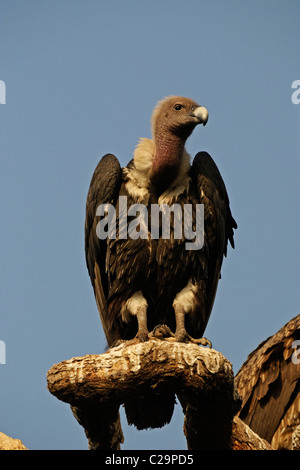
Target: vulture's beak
201,114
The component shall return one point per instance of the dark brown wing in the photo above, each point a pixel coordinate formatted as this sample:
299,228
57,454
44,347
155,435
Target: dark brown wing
218,221
104,188
269,385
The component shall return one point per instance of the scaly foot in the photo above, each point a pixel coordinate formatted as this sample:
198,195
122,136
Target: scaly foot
162,331
142,335
183,337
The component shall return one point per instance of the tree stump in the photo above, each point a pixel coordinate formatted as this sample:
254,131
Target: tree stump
96,385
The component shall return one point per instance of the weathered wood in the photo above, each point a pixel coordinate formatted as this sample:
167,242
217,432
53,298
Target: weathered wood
9,443
96,385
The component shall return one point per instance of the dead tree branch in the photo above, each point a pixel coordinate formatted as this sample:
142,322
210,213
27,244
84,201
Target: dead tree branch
96,385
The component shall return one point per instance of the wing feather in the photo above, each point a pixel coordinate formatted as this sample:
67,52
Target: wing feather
219,224
268,383
104,188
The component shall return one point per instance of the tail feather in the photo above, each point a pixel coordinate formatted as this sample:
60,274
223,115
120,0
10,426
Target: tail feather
151,411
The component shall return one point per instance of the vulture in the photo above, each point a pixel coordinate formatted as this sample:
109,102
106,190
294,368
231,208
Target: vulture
144,276
269,386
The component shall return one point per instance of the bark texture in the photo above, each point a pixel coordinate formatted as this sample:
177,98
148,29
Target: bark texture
9,443
96,385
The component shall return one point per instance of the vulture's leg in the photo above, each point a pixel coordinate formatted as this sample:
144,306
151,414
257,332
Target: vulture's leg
137,306
162,331
184,304
181,334
141,315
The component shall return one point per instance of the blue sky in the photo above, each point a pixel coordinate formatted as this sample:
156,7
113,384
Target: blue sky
82,78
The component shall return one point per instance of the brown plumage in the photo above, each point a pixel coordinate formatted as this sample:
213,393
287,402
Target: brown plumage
269,385
143,282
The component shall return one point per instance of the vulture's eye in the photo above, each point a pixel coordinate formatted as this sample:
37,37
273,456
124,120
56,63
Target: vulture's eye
178,107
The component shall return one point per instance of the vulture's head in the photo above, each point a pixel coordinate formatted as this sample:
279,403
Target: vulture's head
178,116
173,121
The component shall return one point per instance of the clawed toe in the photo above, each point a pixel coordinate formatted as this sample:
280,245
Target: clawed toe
203,341
183,337
162,331
117,343
142,335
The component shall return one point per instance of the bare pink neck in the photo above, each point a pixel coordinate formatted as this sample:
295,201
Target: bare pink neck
167,158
